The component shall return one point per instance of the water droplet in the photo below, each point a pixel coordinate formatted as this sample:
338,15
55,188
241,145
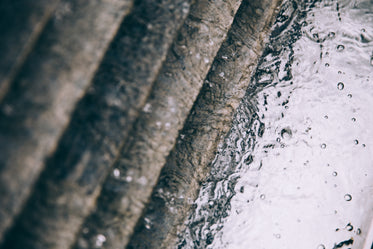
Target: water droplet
335,173
321,246
148,223
348,197
340,48
340,86
116,173
353,119
128,178
262,196
356,141
100,240
323,146
358,231
147,108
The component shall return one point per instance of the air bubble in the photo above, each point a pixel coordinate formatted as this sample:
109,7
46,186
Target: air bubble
262,196
356,141
323,146
286,133
353,119
327,64
340,48
348,197
349,95
358,231
340,86
278,236
371,60
335,173
349,227
321,246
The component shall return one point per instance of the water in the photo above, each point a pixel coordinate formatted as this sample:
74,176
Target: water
296,170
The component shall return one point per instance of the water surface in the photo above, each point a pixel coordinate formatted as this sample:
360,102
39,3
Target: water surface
296,169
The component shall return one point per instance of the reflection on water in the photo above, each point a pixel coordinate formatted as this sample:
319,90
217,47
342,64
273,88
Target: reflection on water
296,169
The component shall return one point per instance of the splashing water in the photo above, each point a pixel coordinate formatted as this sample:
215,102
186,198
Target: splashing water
274,182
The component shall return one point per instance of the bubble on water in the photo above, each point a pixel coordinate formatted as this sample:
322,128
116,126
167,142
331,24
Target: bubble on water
321,246
349,227
100,240
348,197
340,86
262,196
286,133
323,146
358,231
356,141
278,139
349,95
340,48
116,173
335,173
327,64
353,119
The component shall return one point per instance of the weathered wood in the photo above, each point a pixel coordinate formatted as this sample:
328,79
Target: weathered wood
135,173
163,220
39,102
67,190
21,23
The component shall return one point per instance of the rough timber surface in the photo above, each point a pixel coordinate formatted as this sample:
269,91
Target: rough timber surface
18,35
155,131
99,125
209,121
40,100
97,97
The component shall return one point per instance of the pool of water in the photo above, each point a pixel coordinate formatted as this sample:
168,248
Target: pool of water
296,169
